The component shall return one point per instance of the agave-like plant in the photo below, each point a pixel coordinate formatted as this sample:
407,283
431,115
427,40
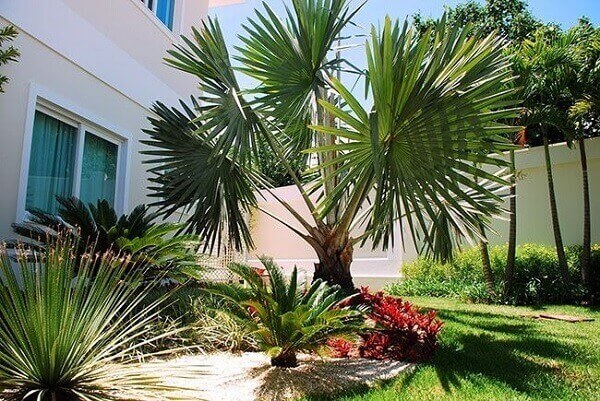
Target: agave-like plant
153,246
69,331
282,315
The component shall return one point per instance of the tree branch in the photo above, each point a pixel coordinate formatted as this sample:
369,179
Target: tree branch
292,211
274,146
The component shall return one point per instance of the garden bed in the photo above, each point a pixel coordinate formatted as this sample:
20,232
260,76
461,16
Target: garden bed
249,376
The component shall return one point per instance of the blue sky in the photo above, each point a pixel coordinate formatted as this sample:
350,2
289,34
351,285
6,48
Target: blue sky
563,12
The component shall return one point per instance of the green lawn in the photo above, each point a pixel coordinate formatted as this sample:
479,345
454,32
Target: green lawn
497,353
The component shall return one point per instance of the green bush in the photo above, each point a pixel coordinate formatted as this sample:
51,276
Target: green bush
153,245
537,277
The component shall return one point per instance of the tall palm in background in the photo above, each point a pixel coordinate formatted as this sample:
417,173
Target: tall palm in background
544,66
511,252
585,109
437,102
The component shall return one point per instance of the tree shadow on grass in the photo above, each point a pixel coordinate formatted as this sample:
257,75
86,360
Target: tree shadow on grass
502,348
501,361
512,352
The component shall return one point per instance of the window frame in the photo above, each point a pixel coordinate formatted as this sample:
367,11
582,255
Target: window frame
152,6
39,101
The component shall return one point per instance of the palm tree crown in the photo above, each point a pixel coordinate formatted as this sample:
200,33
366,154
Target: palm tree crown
438,102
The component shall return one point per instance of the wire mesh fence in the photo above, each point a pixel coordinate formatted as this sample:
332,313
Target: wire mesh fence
215,266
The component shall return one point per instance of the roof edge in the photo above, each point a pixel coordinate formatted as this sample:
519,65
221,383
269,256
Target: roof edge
219,3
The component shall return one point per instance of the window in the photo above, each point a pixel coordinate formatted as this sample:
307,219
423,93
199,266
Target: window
51,162
98,170
163,9
69,158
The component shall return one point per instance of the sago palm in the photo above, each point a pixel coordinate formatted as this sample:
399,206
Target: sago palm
438,100
284,317
152,245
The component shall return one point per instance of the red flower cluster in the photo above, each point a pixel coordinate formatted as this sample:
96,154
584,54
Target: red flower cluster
342,348
399,331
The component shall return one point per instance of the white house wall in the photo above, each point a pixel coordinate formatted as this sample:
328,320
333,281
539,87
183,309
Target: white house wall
100,61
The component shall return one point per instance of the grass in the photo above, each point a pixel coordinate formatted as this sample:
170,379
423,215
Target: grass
500,353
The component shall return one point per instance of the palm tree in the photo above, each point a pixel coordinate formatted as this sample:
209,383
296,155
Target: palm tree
544,66
447,234
437,102
586,92
512,230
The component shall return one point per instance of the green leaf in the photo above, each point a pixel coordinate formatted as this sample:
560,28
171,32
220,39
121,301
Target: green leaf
438,102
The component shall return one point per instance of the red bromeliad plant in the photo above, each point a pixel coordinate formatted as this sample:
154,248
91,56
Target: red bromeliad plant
399,331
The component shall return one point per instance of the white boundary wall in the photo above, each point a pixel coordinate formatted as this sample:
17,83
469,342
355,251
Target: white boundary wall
533,216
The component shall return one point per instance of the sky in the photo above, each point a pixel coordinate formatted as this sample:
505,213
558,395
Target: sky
563,12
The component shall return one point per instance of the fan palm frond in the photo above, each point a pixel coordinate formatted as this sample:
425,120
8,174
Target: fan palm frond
438,99
214,196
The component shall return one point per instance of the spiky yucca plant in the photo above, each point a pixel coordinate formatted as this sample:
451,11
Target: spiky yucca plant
284,317
68,331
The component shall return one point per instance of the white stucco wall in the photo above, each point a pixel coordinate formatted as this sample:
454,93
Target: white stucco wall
98,61
275,240
533,208
533,216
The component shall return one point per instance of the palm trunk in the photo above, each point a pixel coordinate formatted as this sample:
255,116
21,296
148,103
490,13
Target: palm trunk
512,231
488,274
560,250
587,241
335,258
286,359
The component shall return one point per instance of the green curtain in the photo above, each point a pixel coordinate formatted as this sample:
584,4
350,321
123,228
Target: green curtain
51,162
99,169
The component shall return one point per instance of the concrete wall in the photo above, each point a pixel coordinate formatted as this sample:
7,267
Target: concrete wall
99,62
533,216
275,240
533,208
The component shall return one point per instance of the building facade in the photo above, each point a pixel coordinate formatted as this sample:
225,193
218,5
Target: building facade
72,116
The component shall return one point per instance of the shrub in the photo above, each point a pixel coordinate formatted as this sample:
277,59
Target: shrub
398,331
69,332
283,318
153,246
342,348
216,330
536,280
201,320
